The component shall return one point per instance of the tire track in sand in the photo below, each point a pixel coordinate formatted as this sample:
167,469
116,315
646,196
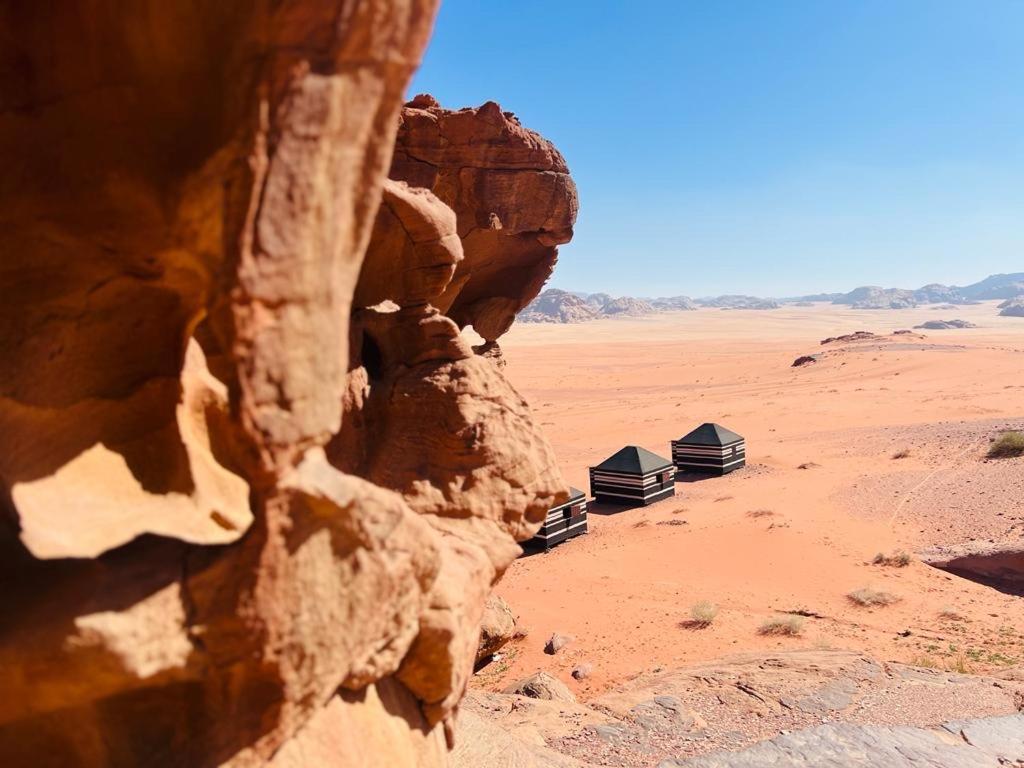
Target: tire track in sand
929,477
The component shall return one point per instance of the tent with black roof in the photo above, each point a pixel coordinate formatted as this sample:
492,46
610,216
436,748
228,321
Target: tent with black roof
709,449
633,475
562,522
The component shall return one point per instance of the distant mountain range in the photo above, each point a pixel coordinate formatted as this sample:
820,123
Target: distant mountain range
557,306
876,297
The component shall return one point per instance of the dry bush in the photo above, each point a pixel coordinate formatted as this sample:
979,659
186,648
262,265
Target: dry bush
924,660
1007,446
899,559
702,614
760,513
960,664
789,626
902,453
868,597
951,614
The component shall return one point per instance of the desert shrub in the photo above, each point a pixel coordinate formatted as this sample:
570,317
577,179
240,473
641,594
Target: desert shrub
960,664
703,613
924,660
790,626
1007,445
868,597
760,513
902,453
951,614
900,559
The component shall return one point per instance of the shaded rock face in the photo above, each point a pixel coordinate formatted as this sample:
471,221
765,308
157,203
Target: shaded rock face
256,485
997,566
511,193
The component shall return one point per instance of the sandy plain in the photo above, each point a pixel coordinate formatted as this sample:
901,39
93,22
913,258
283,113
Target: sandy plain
774,537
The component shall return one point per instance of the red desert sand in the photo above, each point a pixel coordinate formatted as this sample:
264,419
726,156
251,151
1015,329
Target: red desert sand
625,590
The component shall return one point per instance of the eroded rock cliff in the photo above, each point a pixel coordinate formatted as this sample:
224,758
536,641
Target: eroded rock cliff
257,485
512,195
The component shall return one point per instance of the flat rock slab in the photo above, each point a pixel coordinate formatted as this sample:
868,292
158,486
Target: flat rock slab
985,743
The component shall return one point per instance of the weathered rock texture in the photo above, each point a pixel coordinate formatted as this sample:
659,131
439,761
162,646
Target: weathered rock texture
731,712
256,485
511,193
497,627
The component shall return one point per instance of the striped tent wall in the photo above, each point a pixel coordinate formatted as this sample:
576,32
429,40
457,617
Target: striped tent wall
709,459
562,522
628,488
709,449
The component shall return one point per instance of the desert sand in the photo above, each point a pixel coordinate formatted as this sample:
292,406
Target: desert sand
774,537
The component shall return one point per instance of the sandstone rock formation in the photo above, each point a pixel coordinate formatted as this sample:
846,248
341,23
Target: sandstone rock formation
256,484
556,306
627,306
1012,308
876,297
944,325
557,642
541,685
850,337
674,303
738,302
497,627
512,196
997,565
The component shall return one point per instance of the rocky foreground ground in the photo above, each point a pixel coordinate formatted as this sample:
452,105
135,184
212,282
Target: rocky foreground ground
804,708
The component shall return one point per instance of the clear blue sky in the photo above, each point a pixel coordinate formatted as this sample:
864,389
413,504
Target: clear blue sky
772,147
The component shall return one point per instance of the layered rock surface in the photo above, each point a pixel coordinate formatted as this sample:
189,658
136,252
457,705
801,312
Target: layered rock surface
732,712
257,485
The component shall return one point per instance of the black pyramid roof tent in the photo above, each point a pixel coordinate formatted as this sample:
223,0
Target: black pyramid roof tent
633,475
635,460
710,434
562,522
709,449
